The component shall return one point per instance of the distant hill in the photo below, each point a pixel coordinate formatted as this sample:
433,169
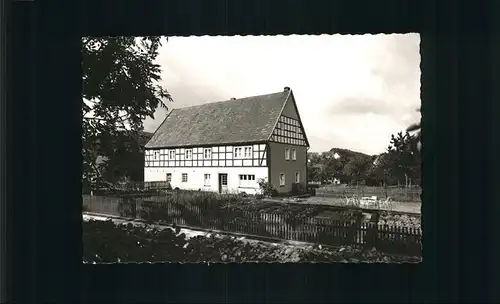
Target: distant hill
348,153
344,154
342,158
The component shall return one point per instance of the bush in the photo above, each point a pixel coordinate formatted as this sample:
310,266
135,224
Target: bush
266,188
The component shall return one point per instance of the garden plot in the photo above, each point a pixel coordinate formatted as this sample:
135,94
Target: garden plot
120,241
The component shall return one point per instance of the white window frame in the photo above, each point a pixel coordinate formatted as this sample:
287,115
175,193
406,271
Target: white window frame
190,154
294,154
297,177
170,156
242,152
246,181
248,152
182,178
157,154
287,154
282,182
207,155
206,181
237,152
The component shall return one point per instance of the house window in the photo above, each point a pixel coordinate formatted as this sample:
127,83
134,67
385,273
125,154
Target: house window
282,179
207,179
247,180
287,154
184,177
243,152
189,154
237,152
207,153
294,154
171,154
157,154
297,177
248,152
169,177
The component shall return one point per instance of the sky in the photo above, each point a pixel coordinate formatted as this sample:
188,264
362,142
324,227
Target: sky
352,91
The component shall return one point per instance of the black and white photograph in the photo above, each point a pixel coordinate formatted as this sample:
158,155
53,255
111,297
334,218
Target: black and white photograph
236,149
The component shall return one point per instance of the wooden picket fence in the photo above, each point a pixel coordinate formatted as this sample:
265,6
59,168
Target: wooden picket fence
390,239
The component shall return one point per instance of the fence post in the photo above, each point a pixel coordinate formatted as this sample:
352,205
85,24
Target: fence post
277,217
137,207
406,238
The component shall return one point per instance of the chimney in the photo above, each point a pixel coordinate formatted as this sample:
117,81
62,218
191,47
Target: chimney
232,98
287,89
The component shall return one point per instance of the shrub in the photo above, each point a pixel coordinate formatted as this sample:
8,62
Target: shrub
266,188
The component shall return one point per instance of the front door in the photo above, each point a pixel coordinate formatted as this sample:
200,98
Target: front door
222,182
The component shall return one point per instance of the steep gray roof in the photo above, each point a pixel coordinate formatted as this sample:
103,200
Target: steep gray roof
241,120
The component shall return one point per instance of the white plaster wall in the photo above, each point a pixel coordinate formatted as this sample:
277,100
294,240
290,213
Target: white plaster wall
196,177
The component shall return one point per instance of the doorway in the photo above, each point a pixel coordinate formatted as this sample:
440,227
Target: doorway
222,182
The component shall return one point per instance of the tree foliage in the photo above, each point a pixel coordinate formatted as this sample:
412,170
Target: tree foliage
403,159
313,173
120,89
357,169
399,165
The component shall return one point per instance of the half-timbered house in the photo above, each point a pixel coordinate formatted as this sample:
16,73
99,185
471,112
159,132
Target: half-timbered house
229,146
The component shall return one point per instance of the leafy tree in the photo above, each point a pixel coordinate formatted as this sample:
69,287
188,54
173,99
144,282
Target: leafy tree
313,173
403,158
357,169
329,170
120,89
